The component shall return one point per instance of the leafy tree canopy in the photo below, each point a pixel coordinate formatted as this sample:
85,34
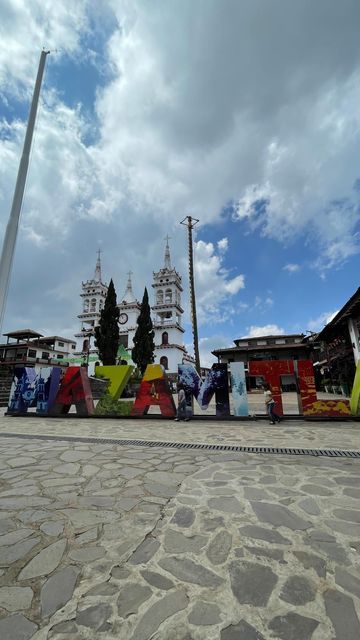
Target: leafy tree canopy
144,346
107,333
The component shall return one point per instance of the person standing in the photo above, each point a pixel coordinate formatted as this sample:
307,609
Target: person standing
270,404
181,411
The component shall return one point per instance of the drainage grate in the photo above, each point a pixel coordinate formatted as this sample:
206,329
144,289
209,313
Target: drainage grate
289,451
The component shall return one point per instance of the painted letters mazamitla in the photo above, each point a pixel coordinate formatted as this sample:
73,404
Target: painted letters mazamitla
43,389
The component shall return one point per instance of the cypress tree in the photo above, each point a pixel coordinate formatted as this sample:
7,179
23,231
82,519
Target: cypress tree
143,351
107,333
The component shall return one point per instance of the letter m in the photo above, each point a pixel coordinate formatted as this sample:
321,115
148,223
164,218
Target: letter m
216,382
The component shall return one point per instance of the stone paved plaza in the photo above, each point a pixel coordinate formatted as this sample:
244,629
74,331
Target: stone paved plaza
104,540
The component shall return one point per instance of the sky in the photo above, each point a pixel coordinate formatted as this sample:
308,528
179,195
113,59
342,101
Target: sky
243,114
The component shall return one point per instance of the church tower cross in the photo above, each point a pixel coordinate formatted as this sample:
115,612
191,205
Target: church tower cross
167,259
97,275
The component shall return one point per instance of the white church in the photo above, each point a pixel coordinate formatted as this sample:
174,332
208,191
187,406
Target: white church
166,317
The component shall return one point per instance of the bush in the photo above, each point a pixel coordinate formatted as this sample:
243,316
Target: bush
107,406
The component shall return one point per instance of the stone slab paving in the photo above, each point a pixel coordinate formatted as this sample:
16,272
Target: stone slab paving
299,433
107,541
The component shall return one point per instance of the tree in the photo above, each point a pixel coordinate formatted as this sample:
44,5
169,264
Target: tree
107,333
143,351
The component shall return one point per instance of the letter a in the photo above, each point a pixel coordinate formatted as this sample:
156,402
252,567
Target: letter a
74,389
154,390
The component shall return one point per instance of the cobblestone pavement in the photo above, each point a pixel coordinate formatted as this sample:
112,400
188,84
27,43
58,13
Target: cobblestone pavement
112,541
290,433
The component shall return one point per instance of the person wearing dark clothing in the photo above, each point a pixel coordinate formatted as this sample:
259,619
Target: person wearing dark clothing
270,404
181,411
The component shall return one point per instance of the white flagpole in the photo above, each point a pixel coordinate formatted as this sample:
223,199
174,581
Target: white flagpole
9,242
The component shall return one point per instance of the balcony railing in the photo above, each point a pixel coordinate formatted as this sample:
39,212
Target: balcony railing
167,322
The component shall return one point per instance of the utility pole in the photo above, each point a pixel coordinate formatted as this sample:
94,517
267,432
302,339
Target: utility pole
190,223
9,242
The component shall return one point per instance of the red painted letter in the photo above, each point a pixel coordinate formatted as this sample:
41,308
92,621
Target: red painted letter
154,390
74,389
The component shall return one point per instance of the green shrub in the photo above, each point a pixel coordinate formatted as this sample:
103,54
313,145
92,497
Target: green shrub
107,406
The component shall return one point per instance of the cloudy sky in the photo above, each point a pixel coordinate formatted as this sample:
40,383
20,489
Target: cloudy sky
242,113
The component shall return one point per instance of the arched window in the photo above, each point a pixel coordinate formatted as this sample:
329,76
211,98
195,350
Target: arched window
168,296
85,346
165,338
100,305
160,297
164,362
86,305
93,304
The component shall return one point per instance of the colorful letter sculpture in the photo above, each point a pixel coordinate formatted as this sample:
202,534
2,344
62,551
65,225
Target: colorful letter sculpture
271,371
119,376
154,390
310,405
74,389
238,389
33,388
216,382
44,390
355,395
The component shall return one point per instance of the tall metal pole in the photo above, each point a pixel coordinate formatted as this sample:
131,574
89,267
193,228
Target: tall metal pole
9,242
190,223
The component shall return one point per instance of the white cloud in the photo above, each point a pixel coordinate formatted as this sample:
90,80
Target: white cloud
214,284
223,245
323,319
192,138
291,267
207,345
27,27
265,330
263,304
177,132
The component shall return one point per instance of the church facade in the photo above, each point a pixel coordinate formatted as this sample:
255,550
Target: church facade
166,311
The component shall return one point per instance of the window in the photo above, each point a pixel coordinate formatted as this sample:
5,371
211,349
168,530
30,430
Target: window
85,346
86,306
93,304
160,297
59,356
32,353
168,296
73,346
165,338
164,362
61,344
45,355
100,305
124,341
